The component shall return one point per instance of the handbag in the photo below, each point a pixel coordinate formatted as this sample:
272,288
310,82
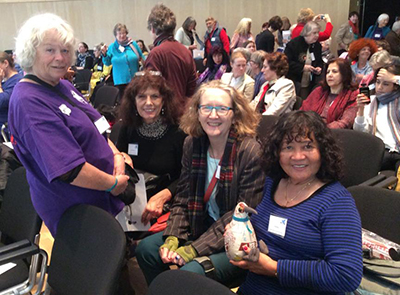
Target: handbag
129,195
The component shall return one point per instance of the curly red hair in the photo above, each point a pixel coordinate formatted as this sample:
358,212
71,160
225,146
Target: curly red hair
359,44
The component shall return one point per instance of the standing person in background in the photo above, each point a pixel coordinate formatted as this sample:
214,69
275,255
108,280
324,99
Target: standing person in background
124,55
266,40
380,29
306,15
238,78
9,77
256,62
100,70
393,38
263,28
305,59
215,36
170,57
186,34
84,60
347,33
283,40
242,33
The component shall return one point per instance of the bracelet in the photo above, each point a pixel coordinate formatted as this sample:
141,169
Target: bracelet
114,185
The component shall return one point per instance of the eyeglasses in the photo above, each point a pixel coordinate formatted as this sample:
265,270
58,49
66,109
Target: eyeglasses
153,73
207,110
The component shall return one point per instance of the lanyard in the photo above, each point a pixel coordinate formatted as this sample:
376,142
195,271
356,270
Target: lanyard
212,184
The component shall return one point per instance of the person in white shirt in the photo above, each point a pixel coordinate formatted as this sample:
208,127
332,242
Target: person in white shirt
380,115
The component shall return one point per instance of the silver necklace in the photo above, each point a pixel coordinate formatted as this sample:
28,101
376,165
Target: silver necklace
153,131
298,193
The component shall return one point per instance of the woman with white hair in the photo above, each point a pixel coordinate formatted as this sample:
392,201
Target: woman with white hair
380,29
305,59
59,138
242,33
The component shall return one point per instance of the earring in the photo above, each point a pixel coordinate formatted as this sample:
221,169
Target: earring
162,112
136,113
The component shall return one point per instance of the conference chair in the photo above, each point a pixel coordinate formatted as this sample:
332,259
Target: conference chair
19,226
82,80
106,95
88,253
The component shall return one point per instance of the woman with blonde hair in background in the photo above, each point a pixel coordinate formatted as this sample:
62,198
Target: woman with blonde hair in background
242,33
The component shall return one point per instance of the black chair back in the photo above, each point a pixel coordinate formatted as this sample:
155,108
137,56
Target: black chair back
116,128
179,282
82,79
18,217
88,252
106,95
363,154
379,210
298,103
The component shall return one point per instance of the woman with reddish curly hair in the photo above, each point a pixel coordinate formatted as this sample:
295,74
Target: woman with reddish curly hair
360,51
335,99
277,95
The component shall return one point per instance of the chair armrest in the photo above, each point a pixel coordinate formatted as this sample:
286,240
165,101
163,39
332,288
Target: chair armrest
374,180
19,254
14,246
389,182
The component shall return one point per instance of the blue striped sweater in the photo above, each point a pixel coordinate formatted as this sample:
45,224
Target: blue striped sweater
321,250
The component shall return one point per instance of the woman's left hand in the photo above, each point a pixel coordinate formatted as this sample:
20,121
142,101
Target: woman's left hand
264,266
155,205
317,70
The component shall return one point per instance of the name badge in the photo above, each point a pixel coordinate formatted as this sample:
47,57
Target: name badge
218,172
312,56
277,225
121,48
371,86
102,125
212,39
133,149
65,110
99,68
378,36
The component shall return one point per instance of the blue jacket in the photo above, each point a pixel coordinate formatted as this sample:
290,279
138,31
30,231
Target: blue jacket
8,87
125,64
371,30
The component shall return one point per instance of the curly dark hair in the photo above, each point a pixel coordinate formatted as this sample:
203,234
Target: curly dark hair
161,19
345,71
294,126
278,62
128,111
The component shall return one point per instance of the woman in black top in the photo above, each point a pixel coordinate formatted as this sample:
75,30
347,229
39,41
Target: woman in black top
150,136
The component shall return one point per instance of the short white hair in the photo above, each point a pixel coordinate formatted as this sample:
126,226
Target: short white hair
380,59
396,26
382,17
32,33
309,27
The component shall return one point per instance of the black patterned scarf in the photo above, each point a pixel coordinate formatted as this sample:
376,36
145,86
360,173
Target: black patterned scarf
197,189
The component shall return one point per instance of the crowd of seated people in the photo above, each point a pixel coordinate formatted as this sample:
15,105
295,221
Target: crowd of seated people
200,130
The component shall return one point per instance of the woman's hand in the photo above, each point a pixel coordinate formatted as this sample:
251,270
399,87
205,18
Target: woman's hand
121,185
264,266
192,47
155,205
2,74
104,49
308,68
317,70
119,164
386,76
167,250
362,100
128,159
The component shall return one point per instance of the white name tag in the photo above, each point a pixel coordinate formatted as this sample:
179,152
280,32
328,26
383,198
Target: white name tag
371,86
277,225
218,172
65,110
377,36
312,56
121,48
212,39
133,149
102,125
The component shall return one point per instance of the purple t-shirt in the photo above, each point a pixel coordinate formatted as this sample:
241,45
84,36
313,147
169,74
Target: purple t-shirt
51,137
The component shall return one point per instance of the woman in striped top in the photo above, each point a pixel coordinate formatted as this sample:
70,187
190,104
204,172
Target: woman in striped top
308,220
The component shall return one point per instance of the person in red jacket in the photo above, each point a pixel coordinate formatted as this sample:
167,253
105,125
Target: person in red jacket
215,36
306,15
